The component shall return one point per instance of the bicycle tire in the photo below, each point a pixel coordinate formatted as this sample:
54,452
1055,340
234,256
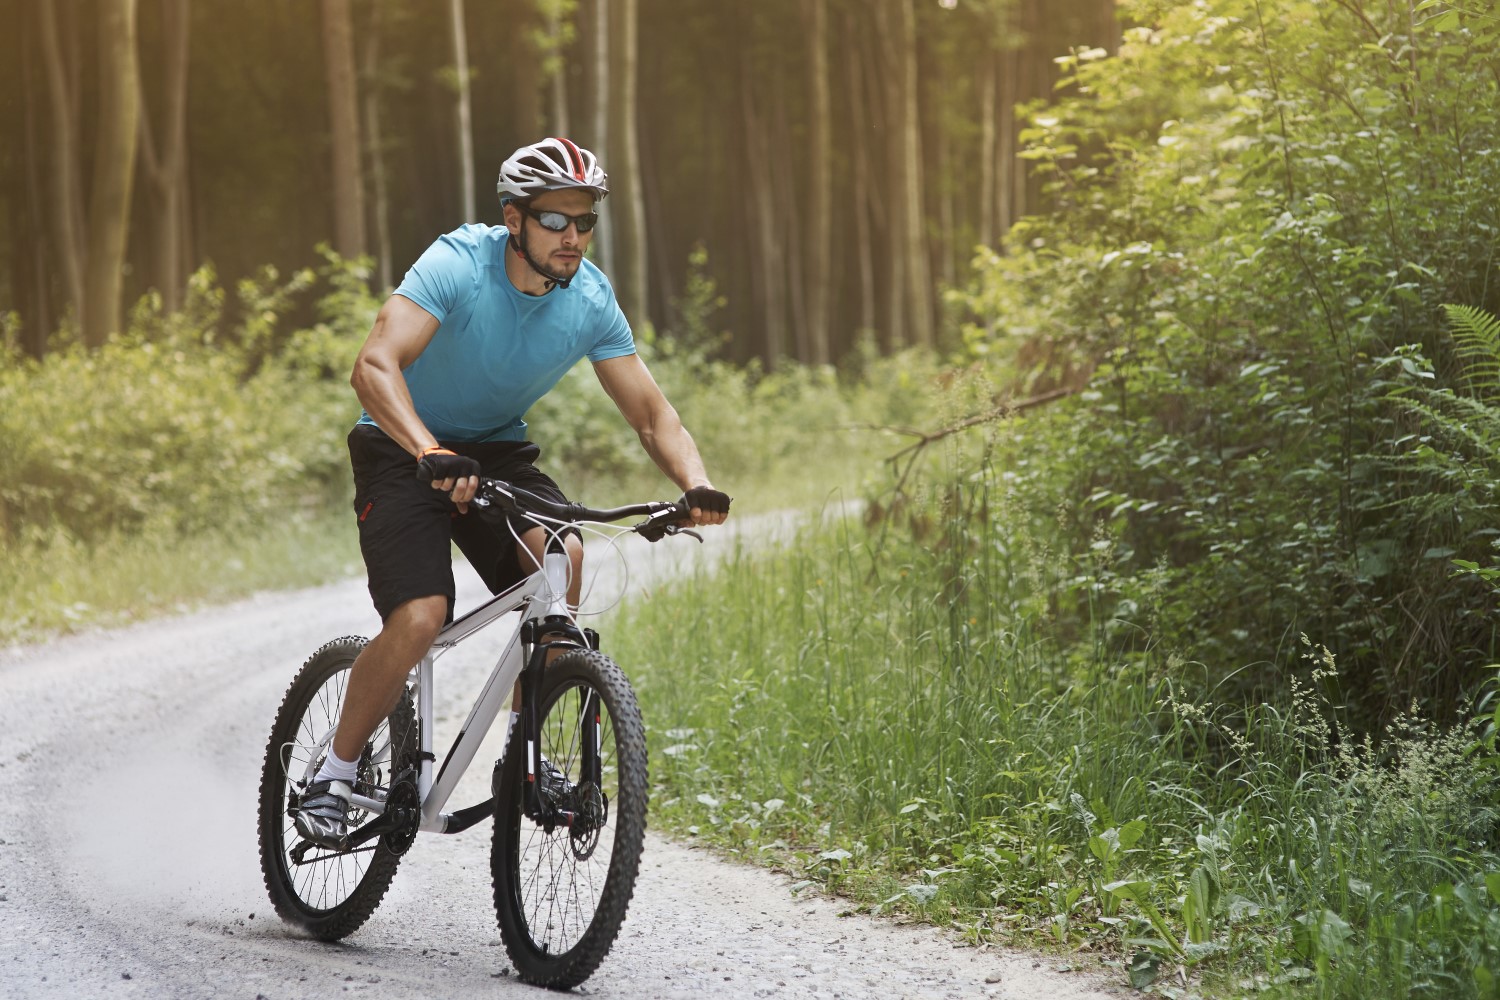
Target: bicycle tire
331,895
553,942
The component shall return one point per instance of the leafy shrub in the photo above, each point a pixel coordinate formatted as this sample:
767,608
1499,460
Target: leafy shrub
1257,207
174,425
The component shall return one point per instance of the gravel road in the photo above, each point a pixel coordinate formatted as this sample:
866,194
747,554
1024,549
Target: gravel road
128,864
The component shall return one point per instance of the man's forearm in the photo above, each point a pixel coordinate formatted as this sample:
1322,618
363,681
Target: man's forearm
673,450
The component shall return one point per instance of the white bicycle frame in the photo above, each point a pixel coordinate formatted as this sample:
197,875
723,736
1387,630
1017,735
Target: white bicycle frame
541,594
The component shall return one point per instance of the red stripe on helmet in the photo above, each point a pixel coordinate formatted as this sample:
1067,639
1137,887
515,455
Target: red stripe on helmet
577,158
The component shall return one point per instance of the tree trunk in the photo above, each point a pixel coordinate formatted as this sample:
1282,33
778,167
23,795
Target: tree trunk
465,123
899,238
861,188
558,84
375,150
629,213
792,259
600,97
67,185
33,262
114,169
819,245
343,120
164,168
987,199
765,279
1108,18
525,64
1010,183
918,269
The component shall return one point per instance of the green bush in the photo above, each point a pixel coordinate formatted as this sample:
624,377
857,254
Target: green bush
174,425
1257,209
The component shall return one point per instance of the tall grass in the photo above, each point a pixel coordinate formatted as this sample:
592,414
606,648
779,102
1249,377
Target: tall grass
897,711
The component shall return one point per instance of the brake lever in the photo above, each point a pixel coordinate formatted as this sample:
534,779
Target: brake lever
675,529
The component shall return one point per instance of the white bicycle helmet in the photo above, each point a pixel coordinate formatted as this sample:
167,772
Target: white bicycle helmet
550,165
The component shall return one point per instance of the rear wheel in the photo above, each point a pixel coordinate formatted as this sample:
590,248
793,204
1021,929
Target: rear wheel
327,893
565,862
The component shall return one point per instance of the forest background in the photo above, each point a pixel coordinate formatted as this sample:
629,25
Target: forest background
1168,632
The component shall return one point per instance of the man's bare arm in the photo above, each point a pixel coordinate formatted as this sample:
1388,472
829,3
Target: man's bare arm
401,333
655,421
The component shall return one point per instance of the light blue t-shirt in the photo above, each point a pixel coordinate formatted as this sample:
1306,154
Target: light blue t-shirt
498,350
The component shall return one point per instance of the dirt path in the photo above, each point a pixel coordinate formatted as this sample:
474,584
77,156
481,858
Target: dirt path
128,864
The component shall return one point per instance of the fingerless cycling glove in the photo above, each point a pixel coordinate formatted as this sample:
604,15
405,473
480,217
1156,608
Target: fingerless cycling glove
437,463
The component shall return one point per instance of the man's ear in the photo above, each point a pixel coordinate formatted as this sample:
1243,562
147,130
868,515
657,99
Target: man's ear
513,217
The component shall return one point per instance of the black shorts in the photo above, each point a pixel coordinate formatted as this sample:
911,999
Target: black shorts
405,526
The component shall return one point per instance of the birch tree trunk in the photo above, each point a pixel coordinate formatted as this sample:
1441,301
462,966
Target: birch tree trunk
629,213
165,169
819,246
465,123
114,169
343,120
67,186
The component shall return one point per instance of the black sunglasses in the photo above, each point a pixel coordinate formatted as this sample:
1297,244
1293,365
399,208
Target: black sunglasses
557,221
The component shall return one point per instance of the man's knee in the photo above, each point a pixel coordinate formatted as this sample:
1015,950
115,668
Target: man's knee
419,619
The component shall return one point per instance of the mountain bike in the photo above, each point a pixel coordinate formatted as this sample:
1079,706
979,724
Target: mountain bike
568,794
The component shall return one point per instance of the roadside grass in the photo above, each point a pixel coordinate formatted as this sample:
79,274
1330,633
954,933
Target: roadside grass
900,716
60,584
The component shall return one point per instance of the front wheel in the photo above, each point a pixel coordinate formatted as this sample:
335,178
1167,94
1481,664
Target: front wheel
327,893
565,858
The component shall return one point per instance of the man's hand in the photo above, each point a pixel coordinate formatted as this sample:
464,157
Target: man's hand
457,475
708,505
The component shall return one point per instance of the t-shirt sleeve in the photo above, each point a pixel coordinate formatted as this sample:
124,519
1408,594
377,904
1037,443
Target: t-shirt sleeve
614,340
440,278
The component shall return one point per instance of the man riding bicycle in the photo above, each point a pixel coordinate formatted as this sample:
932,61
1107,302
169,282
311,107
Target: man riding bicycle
485,323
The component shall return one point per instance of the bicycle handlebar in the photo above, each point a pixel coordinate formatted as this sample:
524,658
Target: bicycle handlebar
661,516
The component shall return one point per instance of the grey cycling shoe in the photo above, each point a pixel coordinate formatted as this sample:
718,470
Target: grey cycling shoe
322,816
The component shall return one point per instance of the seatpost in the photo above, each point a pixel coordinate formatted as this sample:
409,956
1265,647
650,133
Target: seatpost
424,730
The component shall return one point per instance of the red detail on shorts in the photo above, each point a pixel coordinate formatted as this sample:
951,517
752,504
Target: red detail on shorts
366,512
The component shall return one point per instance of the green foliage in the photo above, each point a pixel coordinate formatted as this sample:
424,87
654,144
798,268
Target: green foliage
1261,209
129,464
170,427
907,721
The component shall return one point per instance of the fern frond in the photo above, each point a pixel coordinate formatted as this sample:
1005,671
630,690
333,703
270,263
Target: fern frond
1476,334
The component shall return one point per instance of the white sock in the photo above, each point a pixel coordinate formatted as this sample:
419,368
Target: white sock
510,726
336,769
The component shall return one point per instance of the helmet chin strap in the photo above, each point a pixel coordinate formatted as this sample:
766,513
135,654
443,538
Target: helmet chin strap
551,279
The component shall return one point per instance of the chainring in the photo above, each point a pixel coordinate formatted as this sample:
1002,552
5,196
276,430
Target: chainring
403,809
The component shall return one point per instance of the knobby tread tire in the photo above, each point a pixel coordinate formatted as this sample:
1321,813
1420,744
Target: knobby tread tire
344,918
565,970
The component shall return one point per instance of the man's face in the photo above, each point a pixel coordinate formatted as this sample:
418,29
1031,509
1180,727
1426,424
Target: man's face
561,252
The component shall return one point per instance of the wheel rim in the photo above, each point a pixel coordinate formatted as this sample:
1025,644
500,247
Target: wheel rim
560,874
320,879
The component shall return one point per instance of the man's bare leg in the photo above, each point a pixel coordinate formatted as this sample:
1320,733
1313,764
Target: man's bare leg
375,683
379,673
